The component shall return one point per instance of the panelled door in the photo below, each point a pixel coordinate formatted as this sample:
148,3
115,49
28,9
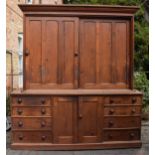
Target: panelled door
89,119
64,120
104,53
51,52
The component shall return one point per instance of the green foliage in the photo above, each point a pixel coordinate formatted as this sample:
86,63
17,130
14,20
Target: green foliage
8,106
141,56
142,83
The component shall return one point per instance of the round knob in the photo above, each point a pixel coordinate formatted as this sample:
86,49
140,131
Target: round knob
27,52
75,54
19,100
110,136
43,101
20,137
133,111
134,99
132,135
20,123
80,116
19,111
43,124
43,137
43,111
111,123
111,111
111,101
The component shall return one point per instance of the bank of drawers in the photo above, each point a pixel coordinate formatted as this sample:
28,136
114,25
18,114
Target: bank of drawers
122,118
31,119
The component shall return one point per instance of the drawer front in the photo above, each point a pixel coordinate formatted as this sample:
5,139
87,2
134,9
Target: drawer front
31,111
31,101
122,110
122,122
121,135
32,137
112,100
40,123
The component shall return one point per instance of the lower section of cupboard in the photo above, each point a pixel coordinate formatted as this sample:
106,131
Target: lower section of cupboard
76,122
84,146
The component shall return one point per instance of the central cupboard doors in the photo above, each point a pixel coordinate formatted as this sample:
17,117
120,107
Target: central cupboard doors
77,120
51,52
104,53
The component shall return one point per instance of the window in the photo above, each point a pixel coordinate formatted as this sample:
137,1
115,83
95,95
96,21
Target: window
29,1
20,60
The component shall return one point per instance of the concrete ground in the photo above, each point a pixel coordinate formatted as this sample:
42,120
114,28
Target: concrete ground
138,151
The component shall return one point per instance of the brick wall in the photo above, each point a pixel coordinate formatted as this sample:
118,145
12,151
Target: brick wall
14,20
14,25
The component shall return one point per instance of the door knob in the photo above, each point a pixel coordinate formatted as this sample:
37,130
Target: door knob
27,52
80,116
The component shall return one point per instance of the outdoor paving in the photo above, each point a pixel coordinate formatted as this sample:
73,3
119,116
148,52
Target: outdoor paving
144,150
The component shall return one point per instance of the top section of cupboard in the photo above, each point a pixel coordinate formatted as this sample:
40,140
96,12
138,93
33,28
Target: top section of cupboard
87,47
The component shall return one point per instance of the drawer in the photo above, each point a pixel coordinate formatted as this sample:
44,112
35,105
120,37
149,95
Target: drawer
32,137
31,101
122,122
31,111
121,135
122,110
39,123
112,100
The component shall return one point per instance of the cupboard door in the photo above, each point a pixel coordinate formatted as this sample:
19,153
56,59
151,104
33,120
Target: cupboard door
89,119
104,59
52,59
64,120
60,46
33,53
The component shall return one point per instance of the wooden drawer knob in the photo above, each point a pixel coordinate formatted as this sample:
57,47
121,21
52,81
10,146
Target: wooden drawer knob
20,123
19,100
111,111
43,111
80,116
76,54
109,136
134,100
19,111
132,135
111,123
20,137
43,124
43,101
111,101
43,137
133,111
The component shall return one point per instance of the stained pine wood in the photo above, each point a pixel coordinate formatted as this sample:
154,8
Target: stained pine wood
64,120
55,41
78,79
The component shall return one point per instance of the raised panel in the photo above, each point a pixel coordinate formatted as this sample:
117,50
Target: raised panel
87,53
89,119
119,53
104,52
64,120
50,56
34,47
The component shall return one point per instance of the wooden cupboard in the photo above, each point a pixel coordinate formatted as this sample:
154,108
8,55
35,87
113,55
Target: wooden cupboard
78,79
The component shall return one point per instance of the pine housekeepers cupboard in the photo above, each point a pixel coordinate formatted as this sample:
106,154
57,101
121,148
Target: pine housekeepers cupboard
78,79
